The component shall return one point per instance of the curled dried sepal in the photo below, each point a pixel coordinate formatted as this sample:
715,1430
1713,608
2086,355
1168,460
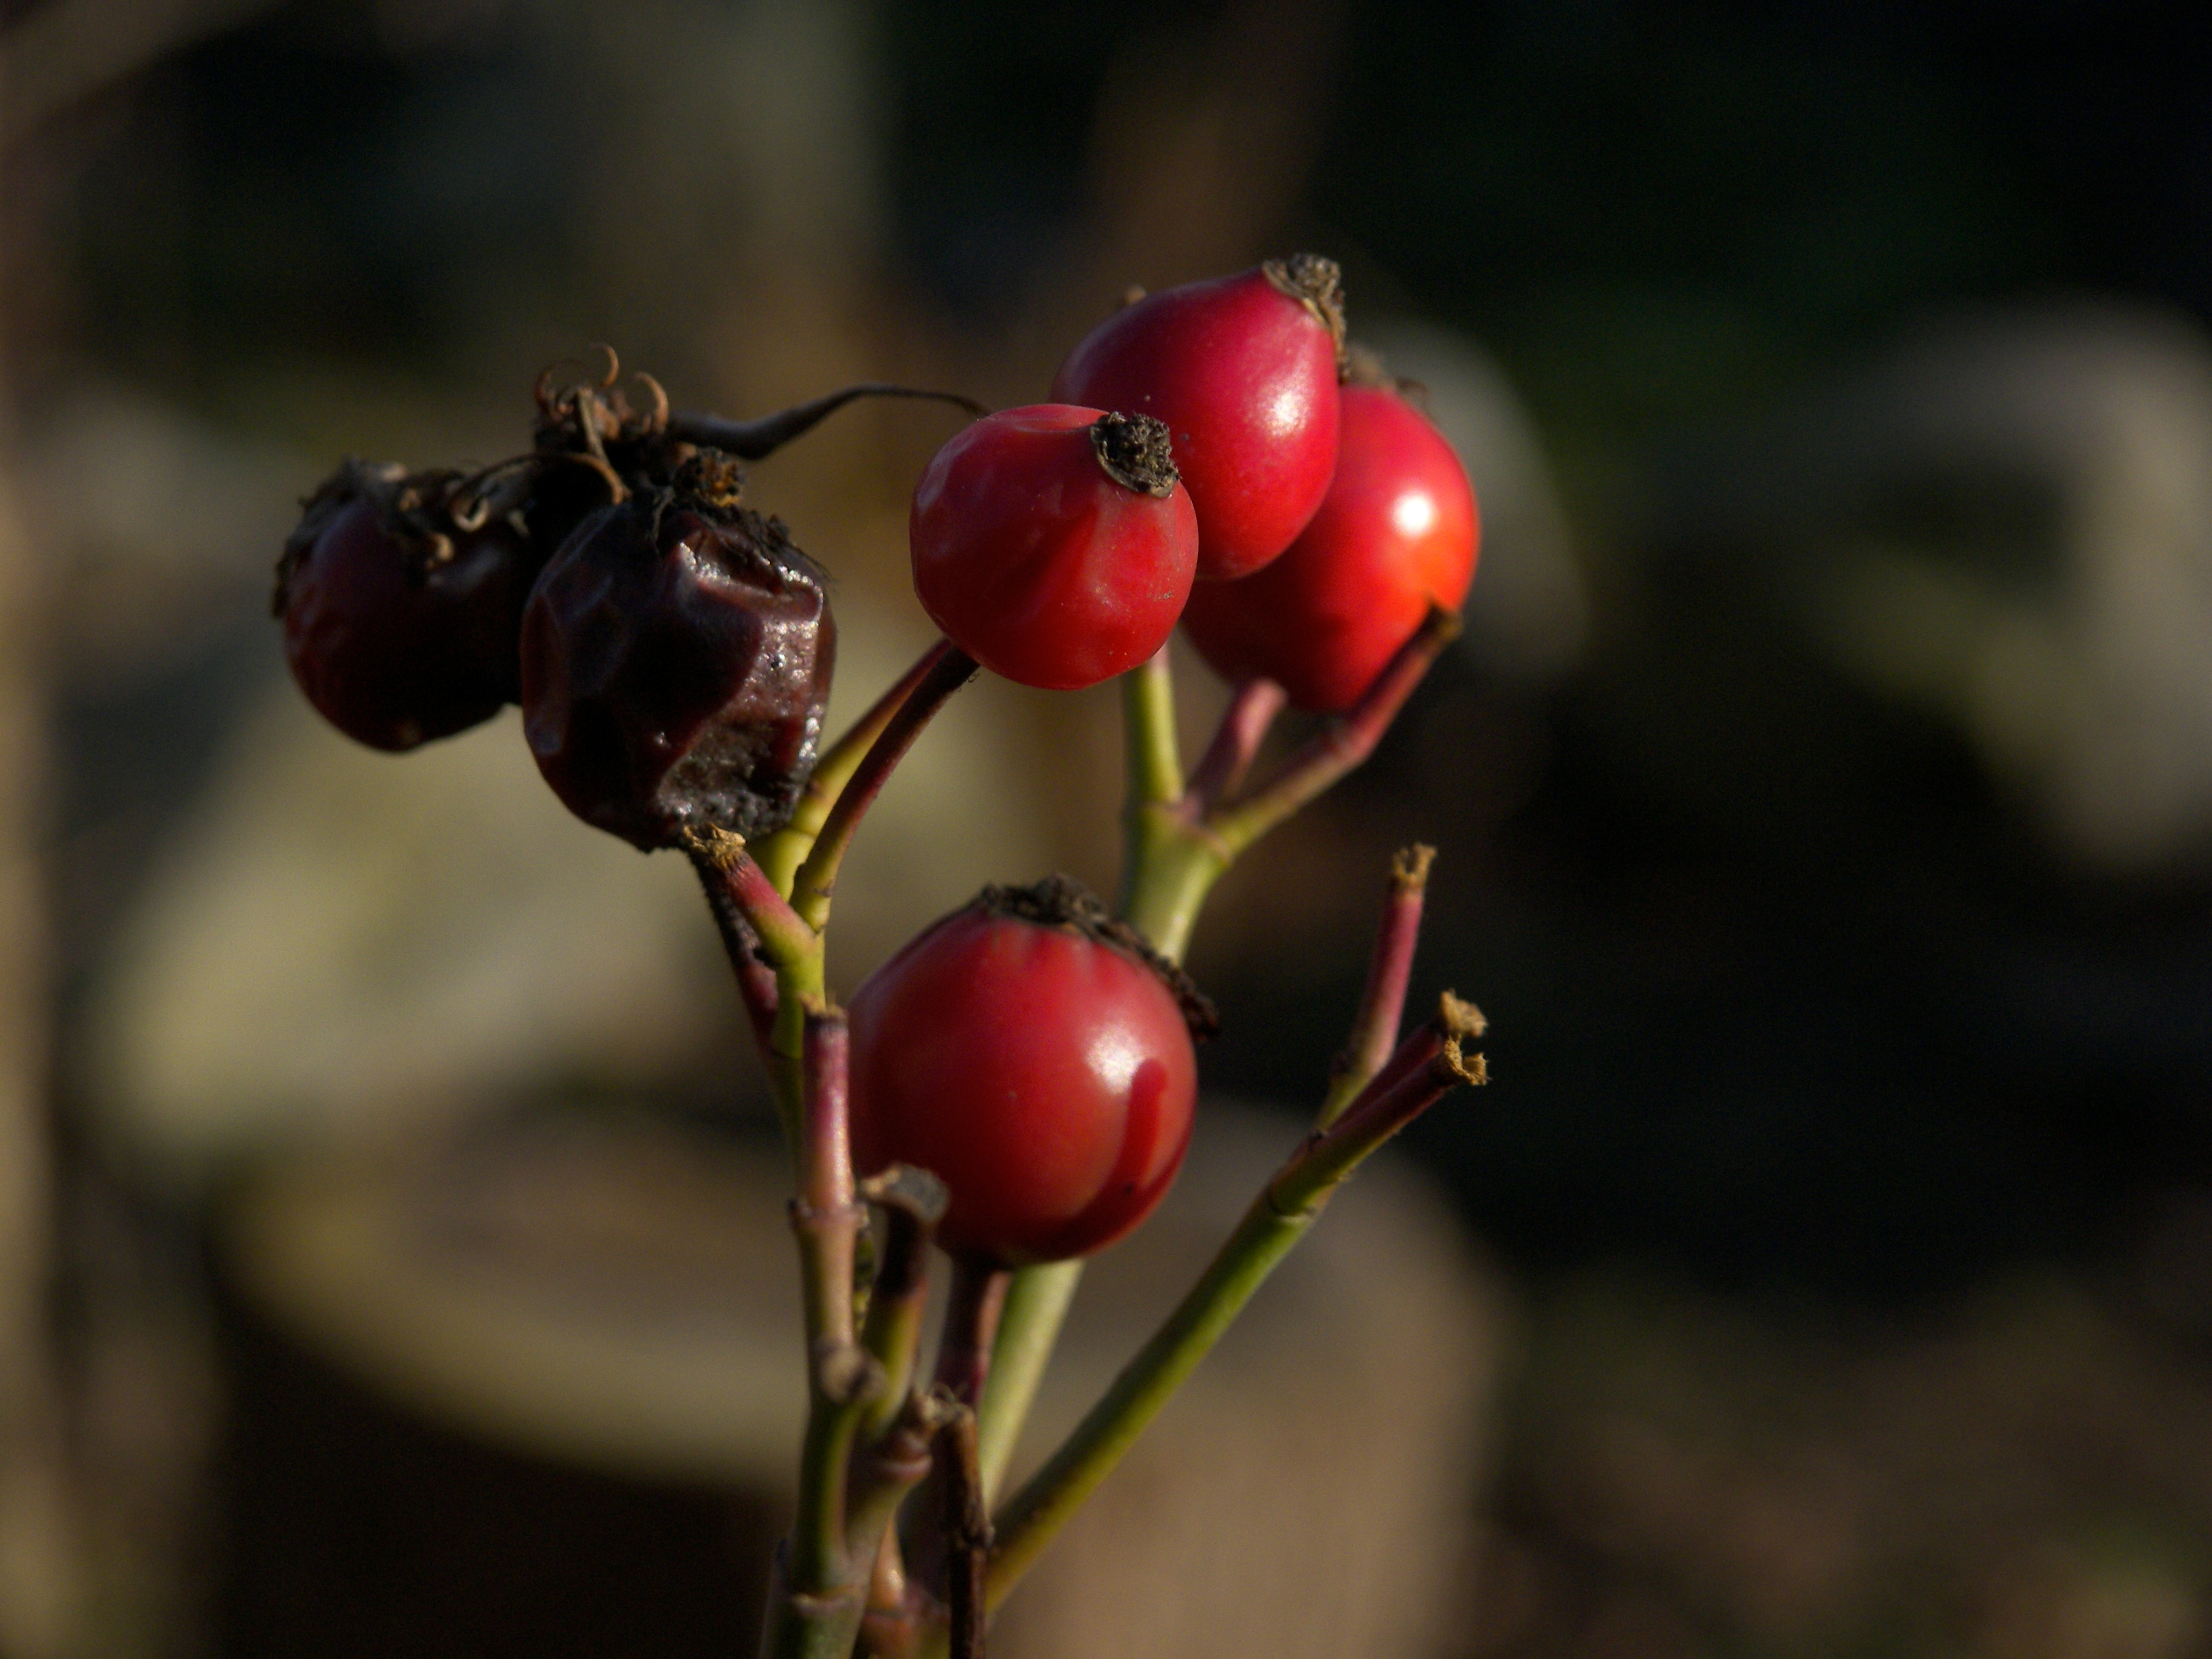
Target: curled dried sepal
903,1190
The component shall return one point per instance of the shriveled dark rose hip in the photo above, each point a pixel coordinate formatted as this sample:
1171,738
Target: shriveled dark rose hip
676,661
399,626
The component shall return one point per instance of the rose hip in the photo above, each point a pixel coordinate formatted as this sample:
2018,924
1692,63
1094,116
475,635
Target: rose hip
1054,543
399,626
1244,370
676,661
1395,536
1026,1051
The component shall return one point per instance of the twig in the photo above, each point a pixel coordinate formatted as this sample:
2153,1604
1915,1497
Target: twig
1155,769
755,978
762,436
780,853
1389,971
1178,843
971,1325
1029,1328
817,880
1278,1218
736,886
966,1524
819,1594
1251,714
1339,746
826,1218
913,1202
787,937
896,1462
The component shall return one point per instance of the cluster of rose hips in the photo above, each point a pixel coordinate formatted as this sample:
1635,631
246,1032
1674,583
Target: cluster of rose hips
1215,454
1255,477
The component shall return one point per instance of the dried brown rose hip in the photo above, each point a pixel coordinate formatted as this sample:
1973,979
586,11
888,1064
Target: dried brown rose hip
400,626
676,661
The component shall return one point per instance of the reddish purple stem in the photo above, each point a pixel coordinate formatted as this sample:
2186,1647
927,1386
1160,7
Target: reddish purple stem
826,1168
1389,969
755,978
1244,726
1341,744
971,1325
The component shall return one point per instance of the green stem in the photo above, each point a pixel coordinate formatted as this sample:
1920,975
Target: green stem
913,1202
809,1627
1029,1327
1148,731
738,890
1177,843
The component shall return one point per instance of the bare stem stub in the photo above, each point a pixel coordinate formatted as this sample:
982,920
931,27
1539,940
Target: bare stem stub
1136,453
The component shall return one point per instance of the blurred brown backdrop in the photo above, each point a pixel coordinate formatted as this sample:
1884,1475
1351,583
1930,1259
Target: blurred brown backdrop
1825,785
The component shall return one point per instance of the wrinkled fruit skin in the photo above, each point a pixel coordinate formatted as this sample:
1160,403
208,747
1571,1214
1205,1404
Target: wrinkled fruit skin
393,655
1036,561
1245,376
676,662
1048,1079
1396,534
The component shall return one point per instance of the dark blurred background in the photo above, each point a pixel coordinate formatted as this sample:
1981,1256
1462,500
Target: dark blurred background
1824,785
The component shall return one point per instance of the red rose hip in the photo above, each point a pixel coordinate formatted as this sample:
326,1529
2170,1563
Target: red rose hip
1025,1052
400,627
1244,370
1396,535
1054,545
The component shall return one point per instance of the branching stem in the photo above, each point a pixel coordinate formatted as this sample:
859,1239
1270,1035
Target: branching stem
1178,841
1277,1218
816,878
782,854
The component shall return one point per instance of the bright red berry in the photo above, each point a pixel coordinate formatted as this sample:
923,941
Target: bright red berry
676,662
1396,535
1054,543
1244,370
1026,1052
399,626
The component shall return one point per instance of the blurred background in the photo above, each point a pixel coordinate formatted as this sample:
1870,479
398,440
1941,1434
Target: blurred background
1824,787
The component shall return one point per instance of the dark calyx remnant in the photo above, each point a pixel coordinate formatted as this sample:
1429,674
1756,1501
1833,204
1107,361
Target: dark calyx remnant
1063,902
1135,451
411,509
1364,367
1317,283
